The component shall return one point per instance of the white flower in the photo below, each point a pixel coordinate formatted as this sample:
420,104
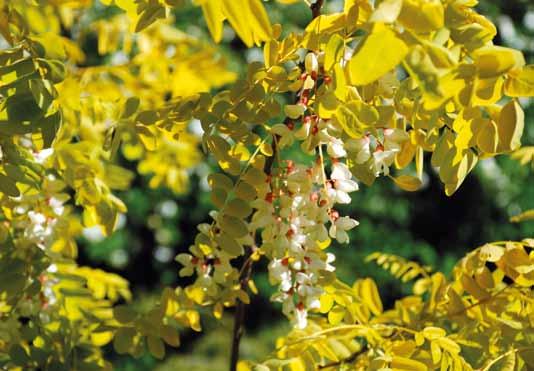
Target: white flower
279,272
301,318
340,171
339,228
335,148
342,184
384,155
311,63
41,156
56,203
36,218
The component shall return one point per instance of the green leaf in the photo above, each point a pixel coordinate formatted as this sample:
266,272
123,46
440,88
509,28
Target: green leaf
8,186
156,346
124,340
238,208
170,335
18,355
130,107
23,108
245,191
229,245
149,15
233,226
124,314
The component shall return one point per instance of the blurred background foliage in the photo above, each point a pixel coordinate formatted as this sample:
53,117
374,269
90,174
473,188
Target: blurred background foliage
425,226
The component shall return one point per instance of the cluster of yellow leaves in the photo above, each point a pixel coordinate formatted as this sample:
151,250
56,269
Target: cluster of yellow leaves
481,319
451,101
427,68
61,126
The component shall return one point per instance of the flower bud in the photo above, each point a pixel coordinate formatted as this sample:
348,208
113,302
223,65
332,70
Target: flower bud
311,63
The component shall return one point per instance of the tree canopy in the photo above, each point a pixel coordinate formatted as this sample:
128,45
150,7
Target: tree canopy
367,89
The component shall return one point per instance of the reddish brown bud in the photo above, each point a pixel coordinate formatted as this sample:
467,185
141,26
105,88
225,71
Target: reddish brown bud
290,233
334,214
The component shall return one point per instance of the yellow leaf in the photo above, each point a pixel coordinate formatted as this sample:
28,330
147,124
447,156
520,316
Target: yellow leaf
100,339
327,105
433,333
510,126
379,52
488,91
436,352
294,111
449,345
387,11
488,137
336,315
407,182
523,217
493,61
261,26
422,16
520,84
214,17
238,15
326,303
491,253
333,51
406,364
473,288
368,293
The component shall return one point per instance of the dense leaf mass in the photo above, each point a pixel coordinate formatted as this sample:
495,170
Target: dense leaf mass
364,92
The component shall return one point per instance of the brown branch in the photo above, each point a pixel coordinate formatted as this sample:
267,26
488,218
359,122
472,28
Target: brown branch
316,8
350,359
239,317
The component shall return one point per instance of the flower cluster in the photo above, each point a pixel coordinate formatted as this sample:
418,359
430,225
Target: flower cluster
296,213
293,216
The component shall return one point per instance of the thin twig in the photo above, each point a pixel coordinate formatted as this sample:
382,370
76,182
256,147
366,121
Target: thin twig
511,351
239,318
350,359
316,8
